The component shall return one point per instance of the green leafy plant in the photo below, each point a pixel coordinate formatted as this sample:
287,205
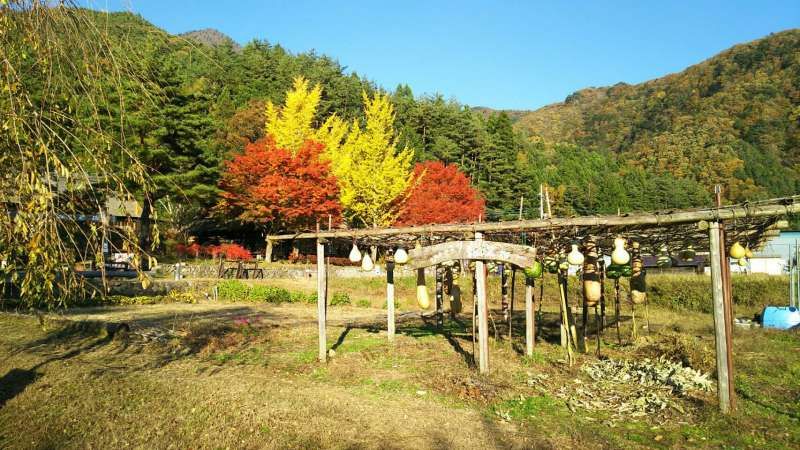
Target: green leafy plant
340,298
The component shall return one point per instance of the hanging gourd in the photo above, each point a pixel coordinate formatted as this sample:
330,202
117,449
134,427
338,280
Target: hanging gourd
575,257
688,253
619,255
550,264
742,262
366,263
535,270
401,256
355,254
422,292
748,253
663,260
591,276
638,285
563,264
737,251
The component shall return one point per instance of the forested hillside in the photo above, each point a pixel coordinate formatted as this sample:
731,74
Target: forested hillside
733,119
661,144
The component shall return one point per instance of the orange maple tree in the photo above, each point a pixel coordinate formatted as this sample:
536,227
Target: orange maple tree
440,194
271,186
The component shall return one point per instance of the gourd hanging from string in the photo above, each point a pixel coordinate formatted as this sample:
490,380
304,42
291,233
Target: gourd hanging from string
742,262
737,251
575,257
620,256
591,276
366,263
400,256
747,252
688,253
535,270
355,253
550,264
423,300
664,260
638,285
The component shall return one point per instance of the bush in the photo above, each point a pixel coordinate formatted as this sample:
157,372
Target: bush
363,303
340,298
232,290
693,292
269,294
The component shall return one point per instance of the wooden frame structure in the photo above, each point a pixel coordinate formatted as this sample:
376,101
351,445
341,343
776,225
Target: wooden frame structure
519,242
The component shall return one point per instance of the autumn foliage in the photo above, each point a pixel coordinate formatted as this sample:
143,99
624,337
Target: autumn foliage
227,251
279,188
440,194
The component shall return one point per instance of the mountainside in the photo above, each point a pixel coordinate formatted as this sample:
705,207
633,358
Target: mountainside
211,38
732,119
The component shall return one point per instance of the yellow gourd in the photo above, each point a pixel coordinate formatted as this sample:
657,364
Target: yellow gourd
737,251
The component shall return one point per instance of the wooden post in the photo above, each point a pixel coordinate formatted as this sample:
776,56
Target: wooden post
390,328
511,306
616,309
504,290
322,299
483,323
269,250
720,335
439,296
530,318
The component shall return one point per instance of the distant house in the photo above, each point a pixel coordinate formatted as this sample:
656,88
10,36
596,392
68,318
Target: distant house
774,257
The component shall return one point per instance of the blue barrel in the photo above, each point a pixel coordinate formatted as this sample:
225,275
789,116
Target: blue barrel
780,317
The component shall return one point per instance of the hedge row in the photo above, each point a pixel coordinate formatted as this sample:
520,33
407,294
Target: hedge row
681,292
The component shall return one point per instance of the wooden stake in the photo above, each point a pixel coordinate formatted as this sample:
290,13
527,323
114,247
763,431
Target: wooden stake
616,310
483,323
322,300
439,274
390,324
720,332
511,308
504,290
530,317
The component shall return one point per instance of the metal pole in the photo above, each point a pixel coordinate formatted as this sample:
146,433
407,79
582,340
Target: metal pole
720,338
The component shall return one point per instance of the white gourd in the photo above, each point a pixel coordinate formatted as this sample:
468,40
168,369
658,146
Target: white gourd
620,256
575,257
366,263
401,256
355,254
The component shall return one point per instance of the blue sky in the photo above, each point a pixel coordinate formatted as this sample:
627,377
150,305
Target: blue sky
511,54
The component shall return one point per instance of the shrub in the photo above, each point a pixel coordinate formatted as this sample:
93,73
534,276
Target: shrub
269,294
363,303
340,298
232,290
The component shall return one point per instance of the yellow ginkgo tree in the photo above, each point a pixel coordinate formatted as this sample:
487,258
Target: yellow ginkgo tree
293,123
372,174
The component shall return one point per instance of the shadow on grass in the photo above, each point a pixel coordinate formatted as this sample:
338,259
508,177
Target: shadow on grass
14,382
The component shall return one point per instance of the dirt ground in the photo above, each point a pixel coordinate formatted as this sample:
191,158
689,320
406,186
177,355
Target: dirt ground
245,376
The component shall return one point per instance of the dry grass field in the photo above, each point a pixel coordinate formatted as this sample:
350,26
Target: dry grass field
245,375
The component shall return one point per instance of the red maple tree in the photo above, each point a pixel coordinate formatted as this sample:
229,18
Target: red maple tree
270,186
440,194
